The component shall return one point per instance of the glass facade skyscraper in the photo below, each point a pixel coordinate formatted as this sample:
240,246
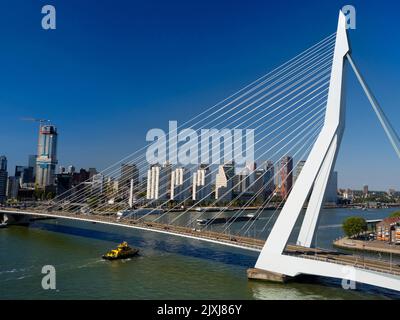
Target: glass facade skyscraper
269,177
46,160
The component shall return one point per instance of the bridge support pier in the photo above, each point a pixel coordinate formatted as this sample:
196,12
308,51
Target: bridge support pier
264,275
12,219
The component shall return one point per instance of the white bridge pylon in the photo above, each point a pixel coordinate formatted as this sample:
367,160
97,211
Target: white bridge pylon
312,182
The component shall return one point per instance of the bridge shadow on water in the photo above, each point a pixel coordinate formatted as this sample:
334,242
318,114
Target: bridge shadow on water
361,287
156,241
188,247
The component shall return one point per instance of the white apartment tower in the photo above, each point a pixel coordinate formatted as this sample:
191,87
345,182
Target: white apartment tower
159,182
180,184
201,183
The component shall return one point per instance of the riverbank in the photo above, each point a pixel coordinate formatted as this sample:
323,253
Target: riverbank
184,268
369,246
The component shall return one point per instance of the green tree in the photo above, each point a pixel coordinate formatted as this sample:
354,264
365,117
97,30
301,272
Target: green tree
277,198
235,203
142,194
171,204
49,195
353,226
395,214
12,201
38,193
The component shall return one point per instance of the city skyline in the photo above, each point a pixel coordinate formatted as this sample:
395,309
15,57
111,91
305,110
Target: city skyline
165,182
186,176
83,116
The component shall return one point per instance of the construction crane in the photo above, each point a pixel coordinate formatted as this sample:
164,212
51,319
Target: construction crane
41,121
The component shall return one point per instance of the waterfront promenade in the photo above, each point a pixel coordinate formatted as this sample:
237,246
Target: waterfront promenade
370,246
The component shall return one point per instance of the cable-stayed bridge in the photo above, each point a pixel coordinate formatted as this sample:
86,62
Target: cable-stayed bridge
298,109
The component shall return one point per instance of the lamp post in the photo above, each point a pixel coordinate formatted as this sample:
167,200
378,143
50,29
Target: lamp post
363,253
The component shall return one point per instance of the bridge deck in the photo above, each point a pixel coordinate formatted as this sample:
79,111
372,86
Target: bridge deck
246,243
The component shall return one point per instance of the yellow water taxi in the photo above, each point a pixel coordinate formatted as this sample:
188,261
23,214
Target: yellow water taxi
123,251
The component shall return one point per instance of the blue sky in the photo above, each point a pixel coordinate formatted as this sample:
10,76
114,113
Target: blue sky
114,69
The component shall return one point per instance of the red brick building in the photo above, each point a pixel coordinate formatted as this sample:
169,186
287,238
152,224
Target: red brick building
389,230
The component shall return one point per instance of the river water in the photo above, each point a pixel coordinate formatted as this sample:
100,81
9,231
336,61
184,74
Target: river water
168,267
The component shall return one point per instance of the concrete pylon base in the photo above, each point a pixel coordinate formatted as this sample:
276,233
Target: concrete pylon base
259,274
12,219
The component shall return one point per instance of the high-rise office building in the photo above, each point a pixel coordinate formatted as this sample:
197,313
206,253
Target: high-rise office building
46,160
12,187
3,163
3,179
286,174
32,164
224,182
259,186
27,175
18,171
201,188
299,167
180,184
365,190
269,177
242,181
251,167
92,172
